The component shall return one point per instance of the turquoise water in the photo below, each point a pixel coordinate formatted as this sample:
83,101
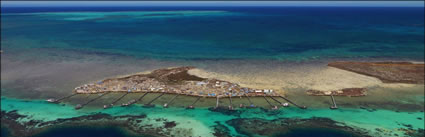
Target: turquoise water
204,119
221,33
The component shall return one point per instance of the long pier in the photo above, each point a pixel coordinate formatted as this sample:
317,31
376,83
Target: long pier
302,107
82,105
283,104
231,103
242,105
251,104
230,106
272,106
217,102
333,103
134,101
118,99
169,102
52,100
192,106
149,104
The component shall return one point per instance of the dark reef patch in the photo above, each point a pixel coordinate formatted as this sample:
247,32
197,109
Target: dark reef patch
94,122
170,124
316,132
8,120
294,127
220,130
86,131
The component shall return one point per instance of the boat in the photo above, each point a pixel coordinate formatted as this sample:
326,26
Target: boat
230,107
79,106
51,100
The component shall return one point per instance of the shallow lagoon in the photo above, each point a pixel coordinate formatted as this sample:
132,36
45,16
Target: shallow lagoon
203,119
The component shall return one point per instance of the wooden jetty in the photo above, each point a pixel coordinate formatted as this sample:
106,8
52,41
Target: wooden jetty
149,104
273,107
251,105
79,106
283,104
231,103
134,101
118,99
217,102
192,106
333,103
169,102
52,100
241,105
302,107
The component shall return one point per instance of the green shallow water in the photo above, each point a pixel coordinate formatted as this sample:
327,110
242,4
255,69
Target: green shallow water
203,119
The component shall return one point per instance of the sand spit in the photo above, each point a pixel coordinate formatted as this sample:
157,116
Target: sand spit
288,78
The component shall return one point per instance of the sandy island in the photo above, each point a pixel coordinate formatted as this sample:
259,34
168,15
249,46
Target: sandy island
172,80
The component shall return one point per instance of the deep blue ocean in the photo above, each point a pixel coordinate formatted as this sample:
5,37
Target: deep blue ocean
214,33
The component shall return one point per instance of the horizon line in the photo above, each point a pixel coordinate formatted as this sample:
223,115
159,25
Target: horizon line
212,3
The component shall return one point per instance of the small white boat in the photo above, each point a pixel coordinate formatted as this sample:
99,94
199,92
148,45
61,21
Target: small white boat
52,100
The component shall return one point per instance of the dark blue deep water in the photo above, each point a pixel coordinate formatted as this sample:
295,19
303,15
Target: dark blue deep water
86,131
316,132
276,33
4,132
